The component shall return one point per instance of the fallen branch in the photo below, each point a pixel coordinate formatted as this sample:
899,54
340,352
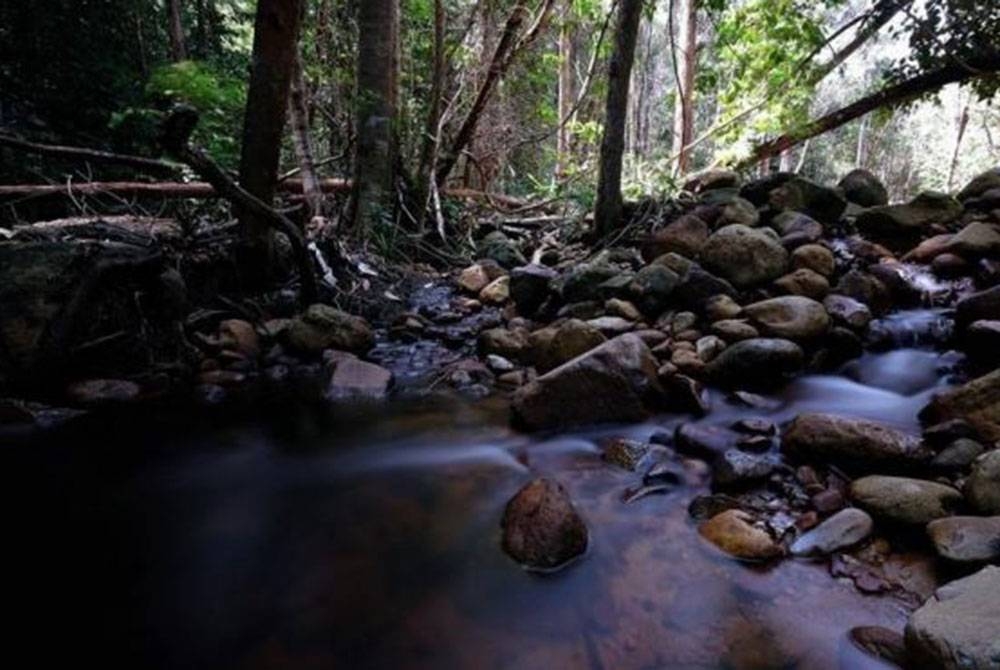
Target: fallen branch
176,135
148,165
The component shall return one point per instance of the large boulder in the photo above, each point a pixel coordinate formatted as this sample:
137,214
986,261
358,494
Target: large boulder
978,306
757,362
977,402
323,327
614,382
745,256
824,204
863,188
977,240
903,500
711,179
792,317
987,181
541,527
829,437
958,628
901,227
685,236
529,287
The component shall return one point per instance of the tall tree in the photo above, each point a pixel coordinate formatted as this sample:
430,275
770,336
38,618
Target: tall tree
567,92
608,210
178,46
376,113
435,109
685,59
275,47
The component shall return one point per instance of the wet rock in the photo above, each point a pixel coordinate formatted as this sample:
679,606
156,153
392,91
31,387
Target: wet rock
814,257
848,311
844,529
583,282
735,467
529,287
958,455
499,363
709,347
100,392
496,292
980,184
541,527
626,454
685,394
720,307
685,236
959,627
829,437
355,379
981,340
863,188
733,532
240,336
791,317
966,538
804,282
978,306
704,441
652,287
698,286
323,327
687,361
705,507
612,326
977,240
756,363
734,330
474,278
797,227
499,248
738,211
511,344
745,256
224,378
571,339
900,227
881,643
623,309
948,266
866,289
982,488
904,500
977,402
824,204
613,382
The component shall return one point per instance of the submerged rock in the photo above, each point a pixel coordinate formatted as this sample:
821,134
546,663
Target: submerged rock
959,627
541,527
842,530
733,532
830,437
354,379
977,402
903,500
613,382
966,538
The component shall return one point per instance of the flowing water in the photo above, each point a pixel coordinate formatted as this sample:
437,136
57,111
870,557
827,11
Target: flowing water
319,538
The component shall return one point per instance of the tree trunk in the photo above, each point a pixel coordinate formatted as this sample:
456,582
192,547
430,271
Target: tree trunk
859,154
890,96
275,44
608,209
376,113
178,47
567,92
298,115
963,122
684,105
432,128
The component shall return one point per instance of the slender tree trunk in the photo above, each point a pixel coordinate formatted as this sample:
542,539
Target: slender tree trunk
298,115
890,96
178,47
802,157
963,122
785,161
376,114
567,88
686,63
432,128
275,45
608,209
859,154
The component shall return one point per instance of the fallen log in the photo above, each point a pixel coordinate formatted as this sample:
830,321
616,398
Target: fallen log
149,165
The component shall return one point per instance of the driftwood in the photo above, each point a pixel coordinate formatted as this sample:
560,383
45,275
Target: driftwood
148,165
175,139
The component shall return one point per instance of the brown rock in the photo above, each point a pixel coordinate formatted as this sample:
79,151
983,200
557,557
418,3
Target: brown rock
541,527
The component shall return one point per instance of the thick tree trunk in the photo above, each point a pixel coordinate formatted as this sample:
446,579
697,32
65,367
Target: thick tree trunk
890,96
298,114
178,46
684,97
567,92
376,113
608,209
275,44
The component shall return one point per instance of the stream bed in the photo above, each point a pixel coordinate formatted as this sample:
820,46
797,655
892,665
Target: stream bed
318,537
